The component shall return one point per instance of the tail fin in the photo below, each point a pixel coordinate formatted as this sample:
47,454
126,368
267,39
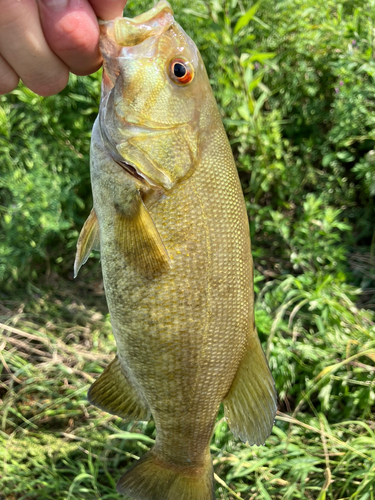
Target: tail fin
153,479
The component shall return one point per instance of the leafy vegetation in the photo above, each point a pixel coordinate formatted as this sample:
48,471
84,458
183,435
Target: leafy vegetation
295,82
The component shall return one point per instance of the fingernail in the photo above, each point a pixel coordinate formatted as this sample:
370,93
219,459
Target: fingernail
55,5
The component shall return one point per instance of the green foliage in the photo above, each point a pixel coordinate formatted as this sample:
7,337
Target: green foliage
324,90
44,183
316,327
313,243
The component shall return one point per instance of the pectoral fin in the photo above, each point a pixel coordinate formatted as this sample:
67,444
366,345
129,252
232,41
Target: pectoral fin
88,240
251,404
113,393
140,242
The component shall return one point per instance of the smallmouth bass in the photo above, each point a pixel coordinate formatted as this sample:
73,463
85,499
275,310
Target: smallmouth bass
170,220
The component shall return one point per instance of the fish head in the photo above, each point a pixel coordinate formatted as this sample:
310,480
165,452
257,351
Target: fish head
153,93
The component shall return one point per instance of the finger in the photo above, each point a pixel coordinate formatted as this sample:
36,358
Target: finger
109,9
23,46
8,78
71,30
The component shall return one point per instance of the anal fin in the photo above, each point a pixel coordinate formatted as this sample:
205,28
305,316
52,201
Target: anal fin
113,393
251,403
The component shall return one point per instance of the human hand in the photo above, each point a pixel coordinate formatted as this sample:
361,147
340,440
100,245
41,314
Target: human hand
42,40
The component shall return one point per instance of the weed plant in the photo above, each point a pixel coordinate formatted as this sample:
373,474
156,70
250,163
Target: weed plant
294,81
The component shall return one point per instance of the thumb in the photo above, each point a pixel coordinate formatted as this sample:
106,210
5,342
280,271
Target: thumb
72,32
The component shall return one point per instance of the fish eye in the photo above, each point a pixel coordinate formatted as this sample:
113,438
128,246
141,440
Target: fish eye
181,71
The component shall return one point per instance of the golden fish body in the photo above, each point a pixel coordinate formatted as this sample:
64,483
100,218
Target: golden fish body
176,258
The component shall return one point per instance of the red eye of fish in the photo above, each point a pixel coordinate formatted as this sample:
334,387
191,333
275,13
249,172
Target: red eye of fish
181,71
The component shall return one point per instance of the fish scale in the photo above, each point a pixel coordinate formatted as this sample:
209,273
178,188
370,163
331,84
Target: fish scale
176,259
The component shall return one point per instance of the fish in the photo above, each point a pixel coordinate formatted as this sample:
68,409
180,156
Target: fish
170,221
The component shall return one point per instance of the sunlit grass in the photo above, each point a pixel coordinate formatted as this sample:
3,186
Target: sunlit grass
55,445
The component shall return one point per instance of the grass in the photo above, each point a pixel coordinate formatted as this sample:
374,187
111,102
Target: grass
54,445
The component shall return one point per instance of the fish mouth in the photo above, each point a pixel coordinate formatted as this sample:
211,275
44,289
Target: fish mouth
124,33
128,32
126,166
163,183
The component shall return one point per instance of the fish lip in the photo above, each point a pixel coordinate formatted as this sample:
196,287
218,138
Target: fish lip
154,22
